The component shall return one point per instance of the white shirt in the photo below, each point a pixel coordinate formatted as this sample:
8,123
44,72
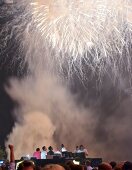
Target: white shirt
43,154
80,151
63,149
57,152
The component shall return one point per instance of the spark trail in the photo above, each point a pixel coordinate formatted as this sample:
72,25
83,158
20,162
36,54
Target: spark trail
77,28
70,33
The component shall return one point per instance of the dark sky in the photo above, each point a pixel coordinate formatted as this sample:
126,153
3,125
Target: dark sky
6,108
6,104
8,68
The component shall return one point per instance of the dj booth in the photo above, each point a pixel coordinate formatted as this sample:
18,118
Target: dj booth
42,162
66,156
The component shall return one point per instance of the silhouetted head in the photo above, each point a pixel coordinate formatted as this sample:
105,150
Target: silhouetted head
50,148
81,147
38,149
44,148
53,167
104,166
127,166
26,165
62,145
113,164
77,147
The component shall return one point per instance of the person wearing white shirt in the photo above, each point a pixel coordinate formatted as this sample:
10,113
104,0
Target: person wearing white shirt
57,152
43,153
63,149
77,149
82,149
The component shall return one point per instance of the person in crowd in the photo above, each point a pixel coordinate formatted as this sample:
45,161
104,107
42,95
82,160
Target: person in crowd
127,166
57,152
63,149
37,154
43,152
77,149
12,158
50,152
53,167
104,166
119,166
24,165
72,166
88,164
82,149
113,164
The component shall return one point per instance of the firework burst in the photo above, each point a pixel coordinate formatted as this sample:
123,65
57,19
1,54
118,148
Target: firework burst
76,26
73,32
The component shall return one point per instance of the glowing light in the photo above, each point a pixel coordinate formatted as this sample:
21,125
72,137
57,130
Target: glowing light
74,27
71,33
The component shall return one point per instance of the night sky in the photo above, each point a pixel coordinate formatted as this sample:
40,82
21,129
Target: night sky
8,68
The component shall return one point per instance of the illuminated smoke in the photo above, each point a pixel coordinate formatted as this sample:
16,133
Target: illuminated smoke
35,130
47,115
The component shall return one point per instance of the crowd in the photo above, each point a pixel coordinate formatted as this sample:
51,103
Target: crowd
69,165
42,154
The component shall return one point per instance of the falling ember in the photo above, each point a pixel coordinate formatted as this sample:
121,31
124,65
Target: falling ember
74,33
74,27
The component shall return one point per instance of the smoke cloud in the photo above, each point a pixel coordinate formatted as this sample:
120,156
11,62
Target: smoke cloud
34,130
47,115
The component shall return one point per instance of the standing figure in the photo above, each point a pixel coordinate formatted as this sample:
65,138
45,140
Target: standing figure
37,154
44,152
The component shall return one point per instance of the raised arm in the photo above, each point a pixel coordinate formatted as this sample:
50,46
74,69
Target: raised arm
12,157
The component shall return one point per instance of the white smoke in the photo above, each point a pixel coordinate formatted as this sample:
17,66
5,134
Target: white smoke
35,129
47,115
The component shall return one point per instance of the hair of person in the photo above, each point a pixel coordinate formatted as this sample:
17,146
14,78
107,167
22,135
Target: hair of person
53,167
81,146
113,164
62,145
127,166
38,149
44,147
69,163
26,164
104,166
77,167
50,148
65,166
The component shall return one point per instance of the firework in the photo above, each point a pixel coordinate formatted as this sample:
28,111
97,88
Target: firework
73,32
74,27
